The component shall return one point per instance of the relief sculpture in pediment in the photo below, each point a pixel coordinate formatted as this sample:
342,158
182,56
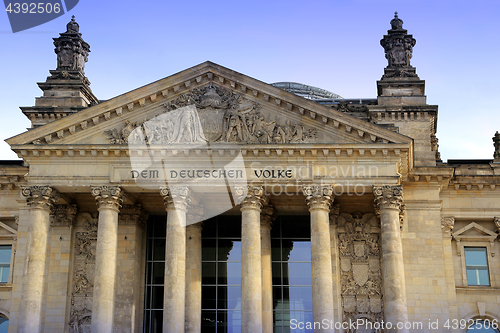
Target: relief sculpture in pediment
212,114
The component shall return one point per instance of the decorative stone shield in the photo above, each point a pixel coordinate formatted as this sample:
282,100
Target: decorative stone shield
211,121
360,273
345,264
359,248
376,305
374,264
349,303
363,304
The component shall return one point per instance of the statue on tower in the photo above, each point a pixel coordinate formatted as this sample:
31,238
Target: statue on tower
496,144
398,47
72,53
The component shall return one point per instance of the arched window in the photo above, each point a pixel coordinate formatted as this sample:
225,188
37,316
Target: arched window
484,326
4,324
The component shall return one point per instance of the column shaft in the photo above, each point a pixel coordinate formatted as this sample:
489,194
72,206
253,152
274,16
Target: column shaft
193,278
267,277
319,199
108,199
176,199
251,264
40,200
388,202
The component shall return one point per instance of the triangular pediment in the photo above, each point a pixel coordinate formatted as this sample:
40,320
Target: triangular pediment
474,232
232,107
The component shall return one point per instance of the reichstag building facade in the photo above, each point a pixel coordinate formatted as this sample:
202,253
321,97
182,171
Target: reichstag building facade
209,201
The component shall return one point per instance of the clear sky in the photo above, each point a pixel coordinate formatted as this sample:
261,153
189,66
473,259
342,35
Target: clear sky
333,45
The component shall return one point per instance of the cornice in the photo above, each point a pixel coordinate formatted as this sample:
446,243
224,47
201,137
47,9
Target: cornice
166,89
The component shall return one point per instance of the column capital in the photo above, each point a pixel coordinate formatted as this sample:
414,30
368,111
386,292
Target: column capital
64,215
133,215
318,196
40,196
109,197
251,197
176,197
447,224
388,197
267,216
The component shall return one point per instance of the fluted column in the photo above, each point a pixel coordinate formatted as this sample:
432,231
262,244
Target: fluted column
108,200
388,204
251,264
193,273
266,219
319,199
40,201
176,199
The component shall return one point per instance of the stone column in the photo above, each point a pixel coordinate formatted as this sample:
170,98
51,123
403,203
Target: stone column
251,263
388,204
108,199
58,298
319,199
334,245
129,303
193,277
267,217
447,225
176,200
40,200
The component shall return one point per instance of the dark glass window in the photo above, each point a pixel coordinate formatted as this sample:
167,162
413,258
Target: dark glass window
476,263
155,274
291,266
221,275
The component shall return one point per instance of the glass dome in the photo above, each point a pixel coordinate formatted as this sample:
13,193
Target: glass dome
305,91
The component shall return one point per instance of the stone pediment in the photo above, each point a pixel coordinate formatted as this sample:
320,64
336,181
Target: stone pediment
474,232
226,107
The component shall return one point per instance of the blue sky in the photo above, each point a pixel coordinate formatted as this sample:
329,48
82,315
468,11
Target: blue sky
333,45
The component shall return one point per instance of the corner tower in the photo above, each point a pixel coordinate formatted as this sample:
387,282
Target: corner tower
67,89
400,84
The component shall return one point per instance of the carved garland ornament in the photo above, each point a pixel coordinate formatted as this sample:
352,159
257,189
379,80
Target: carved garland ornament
83,272
64,215
361,279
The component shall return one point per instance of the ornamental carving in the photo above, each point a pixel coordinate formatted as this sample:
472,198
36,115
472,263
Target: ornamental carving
360,266
64,215
250,196
496,144
40,197
133,215
496,220
122,136
318,196
398,47
388,197
83,272
267,215
212,114
447,224
176,197
72,51
107,196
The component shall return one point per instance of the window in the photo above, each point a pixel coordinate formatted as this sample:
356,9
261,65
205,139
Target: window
476,264
4,324
5,253
484,326
291,266
221,275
